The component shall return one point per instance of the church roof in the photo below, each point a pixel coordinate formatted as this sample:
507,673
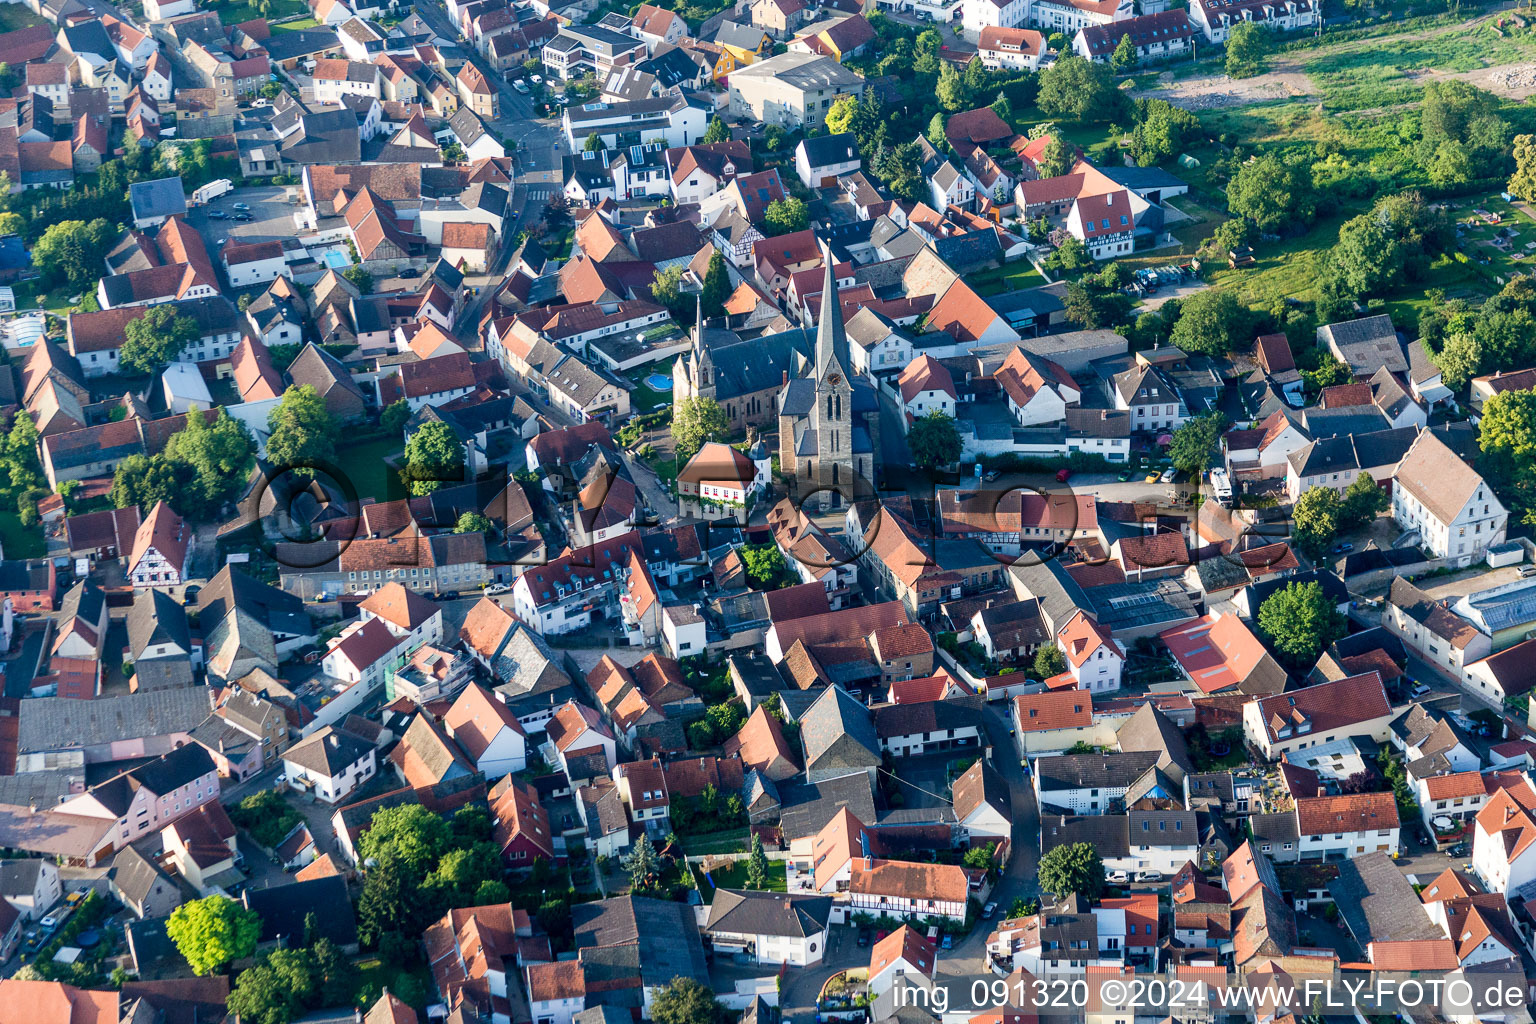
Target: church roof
831,338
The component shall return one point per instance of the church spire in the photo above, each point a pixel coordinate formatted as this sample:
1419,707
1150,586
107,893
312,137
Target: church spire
831,340
698,320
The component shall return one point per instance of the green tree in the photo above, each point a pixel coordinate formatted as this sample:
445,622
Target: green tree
1124,58
686,1001
143,480
266,995
1057,158
1211,321
667,290
156,338
644,869
359,278
935,132
1195,442
460,871
474,522
717,131
717,285
950,89
395,416
1315,519
782,216
764,562
934,440
392,900
433,456
1273,193
1363,501
1248,43
840,116
593,144
1074,868
410,833
213,931
71,251
302,434
1507,437
1049,661
1523,182
696,421
1300,621
1459,359
757,865
219,457
1080,90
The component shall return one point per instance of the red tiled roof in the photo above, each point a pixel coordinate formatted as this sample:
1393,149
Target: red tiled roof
1061,709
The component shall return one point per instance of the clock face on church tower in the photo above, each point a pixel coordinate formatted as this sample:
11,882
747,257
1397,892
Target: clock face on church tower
834,379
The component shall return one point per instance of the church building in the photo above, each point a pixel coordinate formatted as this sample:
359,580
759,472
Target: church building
829,423
743,377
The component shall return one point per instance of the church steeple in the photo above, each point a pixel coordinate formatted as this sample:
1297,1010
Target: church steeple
831,339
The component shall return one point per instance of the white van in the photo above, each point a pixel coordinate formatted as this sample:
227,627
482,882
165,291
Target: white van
1221,485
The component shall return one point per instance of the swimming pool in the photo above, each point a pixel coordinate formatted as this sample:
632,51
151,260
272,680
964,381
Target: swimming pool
337,260
659,382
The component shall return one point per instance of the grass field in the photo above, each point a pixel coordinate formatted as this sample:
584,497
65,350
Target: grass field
369,473
1007,278
294,26
19,541
734,876
15,16
234,14
644,398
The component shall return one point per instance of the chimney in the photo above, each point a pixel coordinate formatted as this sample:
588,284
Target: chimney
786,378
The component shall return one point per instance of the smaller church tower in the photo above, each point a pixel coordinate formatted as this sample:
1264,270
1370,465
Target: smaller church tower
832,415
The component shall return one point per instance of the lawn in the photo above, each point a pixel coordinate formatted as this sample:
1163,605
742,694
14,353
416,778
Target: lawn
235,14
365,465
1010,277
16,16
644,398
294,26
733,840
17,541
56,301
734,876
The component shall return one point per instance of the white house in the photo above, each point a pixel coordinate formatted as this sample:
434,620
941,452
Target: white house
31,885
331,764
1504,839
363,654
1014,49
1089,783
254,263
1346,826
1215,18
772,928
1318,714
412,618
1457,515
1095,659
983,802
907,890
1151,397
821,160
927,387
488,731
161,548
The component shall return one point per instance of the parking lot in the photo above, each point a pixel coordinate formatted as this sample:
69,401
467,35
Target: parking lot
271,218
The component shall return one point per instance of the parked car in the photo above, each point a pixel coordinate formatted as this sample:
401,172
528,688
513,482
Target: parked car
1063,475
1527,571
521,87
1152,477
497,588
1339,549
1169,474
863,937
409,272
242,217
242,207
217,215
1149,876
949,941
1119,877
989,911
1459,850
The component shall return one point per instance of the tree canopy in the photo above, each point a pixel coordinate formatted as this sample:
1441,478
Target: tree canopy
1211,321
213,931
1300,621
156,338
1315,519
782,216
72,250
302,433
1274,194
1077,89
434,456
934,440
696,421
686,1001
1194,443
1248,43
1074,868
